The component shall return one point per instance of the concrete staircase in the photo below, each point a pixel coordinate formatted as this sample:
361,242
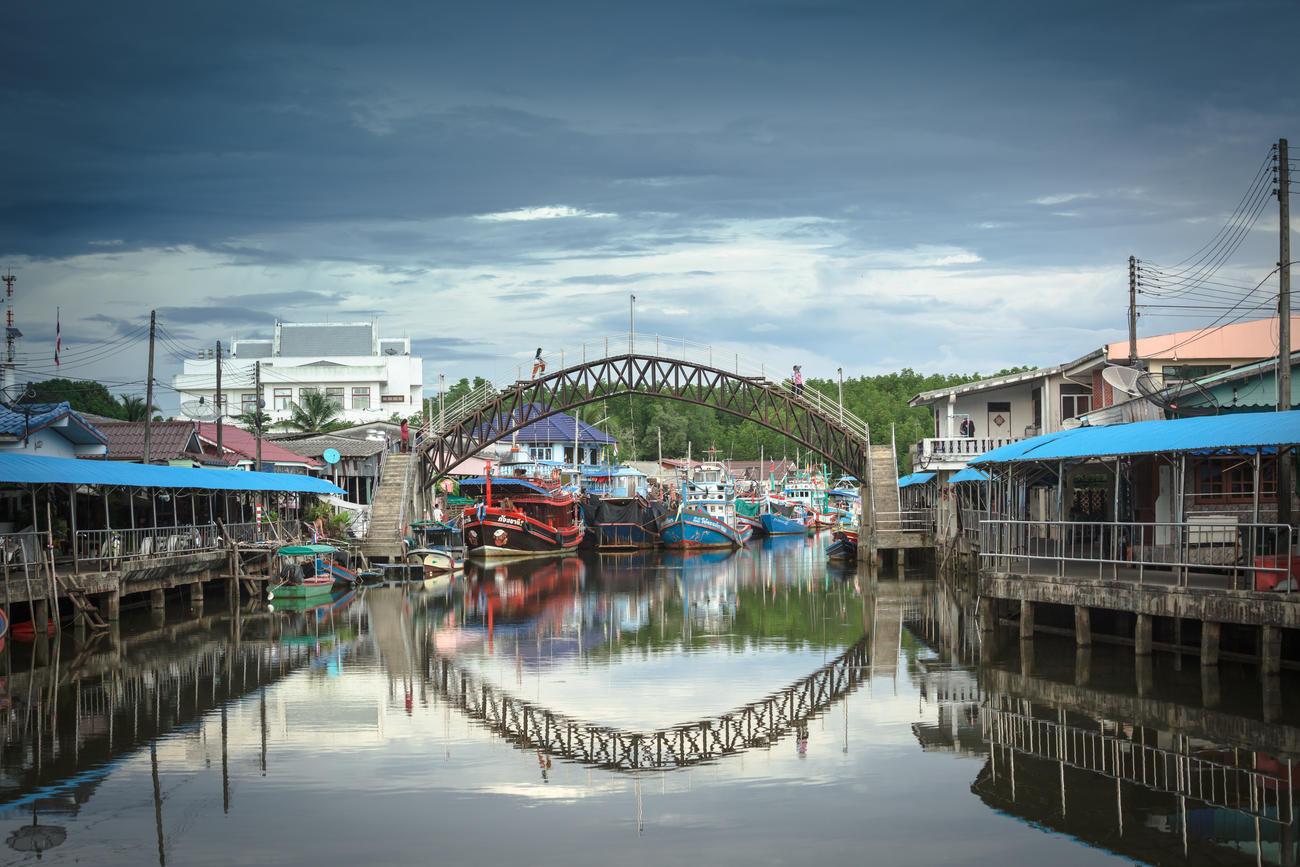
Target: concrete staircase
385,538
884,492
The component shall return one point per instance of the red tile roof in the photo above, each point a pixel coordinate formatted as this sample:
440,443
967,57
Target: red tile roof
244,443
168,440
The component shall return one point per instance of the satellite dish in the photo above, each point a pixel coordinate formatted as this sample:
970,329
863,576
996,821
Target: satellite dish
1122,379
392,350
1071,424
1178,397
200,410
331,456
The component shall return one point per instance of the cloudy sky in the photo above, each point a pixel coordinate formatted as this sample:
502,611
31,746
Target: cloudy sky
950,186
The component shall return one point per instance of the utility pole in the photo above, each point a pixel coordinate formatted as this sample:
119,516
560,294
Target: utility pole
442,391
840,370
660,431
1284,483
148,387
220,403
1132,312
257,412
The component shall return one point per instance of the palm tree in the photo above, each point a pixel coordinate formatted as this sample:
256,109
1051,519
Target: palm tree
133,406
250,421
313,412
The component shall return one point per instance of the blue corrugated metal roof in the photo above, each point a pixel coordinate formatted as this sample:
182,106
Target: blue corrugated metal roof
500,485
1148,437
915,479
556,428
28,470
80,431
970,474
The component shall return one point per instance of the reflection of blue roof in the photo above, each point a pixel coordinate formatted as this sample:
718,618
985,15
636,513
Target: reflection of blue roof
1247,430
77,430
557,428
970,474
915,479
26,469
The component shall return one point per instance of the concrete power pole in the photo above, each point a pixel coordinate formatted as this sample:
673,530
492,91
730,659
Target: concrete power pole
257,413
1284,482
148,387
220,403
1132,312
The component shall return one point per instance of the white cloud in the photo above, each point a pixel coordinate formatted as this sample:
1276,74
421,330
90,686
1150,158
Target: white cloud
1068,197
542,213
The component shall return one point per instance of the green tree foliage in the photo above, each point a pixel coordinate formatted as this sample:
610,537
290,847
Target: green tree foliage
84,396
250,421
314,413
133,408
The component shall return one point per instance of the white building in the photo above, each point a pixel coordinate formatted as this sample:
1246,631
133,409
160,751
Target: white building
367,376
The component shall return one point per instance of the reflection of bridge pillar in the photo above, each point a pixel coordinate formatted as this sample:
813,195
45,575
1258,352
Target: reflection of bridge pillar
1210,685
1270,649
1272,697
1026,658
1082,666
1145,674
1026,620
1210,644
110,605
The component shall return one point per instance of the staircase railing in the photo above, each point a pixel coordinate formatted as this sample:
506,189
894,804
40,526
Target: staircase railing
406,491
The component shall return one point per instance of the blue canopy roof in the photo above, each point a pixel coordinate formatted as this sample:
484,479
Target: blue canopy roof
77,431
29,470
915,479
970,474
1249,430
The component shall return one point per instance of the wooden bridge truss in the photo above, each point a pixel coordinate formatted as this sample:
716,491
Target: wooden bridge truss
629,366
755,726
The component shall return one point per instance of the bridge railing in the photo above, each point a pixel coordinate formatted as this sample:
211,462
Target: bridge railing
653,345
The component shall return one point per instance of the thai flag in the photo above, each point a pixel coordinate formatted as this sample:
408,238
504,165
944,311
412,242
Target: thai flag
58,341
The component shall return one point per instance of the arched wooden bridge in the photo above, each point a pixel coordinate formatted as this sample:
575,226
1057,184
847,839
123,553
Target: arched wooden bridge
755,726
650,367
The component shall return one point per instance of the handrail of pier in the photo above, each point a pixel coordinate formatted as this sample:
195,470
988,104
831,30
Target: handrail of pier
1229,549
649,346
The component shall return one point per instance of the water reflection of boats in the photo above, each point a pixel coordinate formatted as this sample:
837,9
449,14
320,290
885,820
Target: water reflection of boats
337,600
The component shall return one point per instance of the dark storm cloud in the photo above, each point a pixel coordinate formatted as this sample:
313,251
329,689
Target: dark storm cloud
156,124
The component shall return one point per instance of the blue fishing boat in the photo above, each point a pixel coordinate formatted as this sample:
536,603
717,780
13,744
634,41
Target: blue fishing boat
706,517
782,519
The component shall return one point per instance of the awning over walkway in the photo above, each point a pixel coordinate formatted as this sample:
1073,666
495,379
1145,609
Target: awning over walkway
28,470
915,479
970,474
1252,430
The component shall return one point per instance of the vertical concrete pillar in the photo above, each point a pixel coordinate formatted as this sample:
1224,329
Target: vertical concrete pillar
157,600
1270,649
1142,635
1026,619
110,605
988,614
1210,643
1082,626
1210,685
40,615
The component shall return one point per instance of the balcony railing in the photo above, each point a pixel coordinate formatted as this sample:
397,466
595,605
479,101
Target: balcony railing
1220,555
907,521
960,448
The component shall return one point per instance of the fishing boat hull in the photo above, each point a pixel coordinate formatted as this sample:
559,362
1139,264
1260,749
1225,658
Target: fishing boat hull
436,561
779,525
617,537
499,535
755,524
311,588
843,546
690,530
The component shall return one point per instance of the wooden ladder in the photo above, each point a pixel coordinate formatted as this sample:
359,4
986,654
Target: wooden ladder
84,606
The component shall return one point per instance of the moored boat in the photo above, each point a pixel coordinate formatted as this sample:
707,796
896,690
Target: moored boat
843,546
308,571
706,517
528,518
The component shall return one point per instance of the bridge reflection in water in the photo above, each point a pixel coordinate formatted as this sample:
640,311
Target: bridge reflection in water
1064,743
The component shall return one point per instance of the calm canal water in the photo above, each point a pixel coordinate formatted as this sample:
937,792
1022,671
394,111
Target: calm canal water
746,708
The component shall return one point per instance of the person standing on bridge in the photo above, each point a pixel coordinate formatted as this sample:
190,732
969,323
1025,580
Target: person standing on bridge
539,363
797,379
406,437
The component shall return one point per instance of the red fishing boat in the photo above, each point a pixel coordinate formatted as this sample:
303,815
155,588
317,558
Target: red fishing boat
519,517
